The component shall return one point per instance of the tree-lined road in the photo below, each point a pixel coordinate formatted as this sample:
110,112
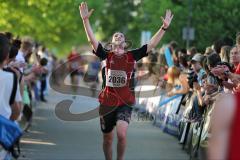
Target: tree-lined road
51,138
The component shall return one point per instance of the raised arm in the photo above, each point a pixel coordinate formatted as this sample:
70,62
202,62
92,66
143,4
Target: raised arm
85,14
158,36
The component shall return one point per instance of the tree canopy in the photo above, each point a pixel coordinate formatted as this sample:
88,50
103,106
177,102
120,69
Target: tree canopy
57,24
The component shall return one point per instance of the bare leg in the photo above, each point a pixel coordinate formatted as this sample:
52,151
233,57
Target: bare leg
74,81
122,127
107,145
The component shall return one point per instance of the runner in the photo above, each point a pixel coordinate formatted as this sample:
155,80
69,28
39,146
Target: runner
74,60
116,98
91,75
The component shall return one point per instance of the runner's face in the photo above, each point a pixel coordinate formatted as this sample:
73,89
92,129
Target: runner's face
118,39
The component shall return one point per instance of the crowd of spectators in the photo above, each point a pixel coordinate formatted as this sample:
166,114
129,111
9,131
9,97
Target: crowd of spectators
205,77
24,70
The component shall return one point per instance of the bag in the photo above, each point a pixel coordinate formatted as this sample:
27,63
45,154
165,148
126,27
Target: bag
10,134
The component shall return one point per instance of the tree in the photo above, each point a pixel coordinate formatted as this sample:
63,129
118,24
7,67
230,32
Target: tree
57,24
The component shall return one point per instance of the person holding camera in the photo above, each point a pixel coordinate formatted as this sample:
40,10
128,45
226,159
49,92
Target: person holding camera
195,77
224,142
197,68
229,79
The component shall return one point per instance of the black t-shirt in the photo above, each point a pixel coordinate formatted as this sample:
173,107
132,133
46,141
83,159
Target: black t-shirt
138,53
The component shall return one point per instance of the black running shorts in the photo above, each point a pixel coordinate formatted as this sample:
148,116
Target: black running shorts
110,115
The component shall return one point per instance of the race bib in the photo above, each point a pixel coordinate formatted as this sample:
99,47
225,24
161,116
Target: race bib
116,78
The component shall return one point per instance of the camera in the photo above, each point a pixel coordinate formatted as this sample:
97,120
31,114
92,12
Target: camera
192,77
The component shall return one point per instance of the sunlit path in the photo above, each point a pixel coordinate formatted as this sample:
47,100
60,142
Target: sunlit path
51,138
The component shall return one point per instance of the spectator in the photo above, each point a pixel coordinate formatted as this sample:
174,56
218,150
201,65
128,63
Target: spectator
209,89
225,54
152,63
210,83
196,82
25,51
235,59
222,42
12,67
208,51
173,49
213,60
192,51
197,67
11,64
229,80
9,107
183,62
43,78
177,82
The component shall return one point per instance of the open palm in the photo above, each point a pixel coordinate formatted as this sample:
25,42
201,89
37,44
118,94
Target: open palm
84,11
168,18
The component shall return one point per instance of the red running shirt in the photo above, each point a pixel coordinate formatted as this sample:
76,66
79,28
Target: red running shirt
234,141
119,70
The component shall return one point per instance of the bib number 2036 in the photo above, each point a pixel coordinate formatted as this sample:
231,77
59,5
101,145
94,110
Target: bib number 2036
116,78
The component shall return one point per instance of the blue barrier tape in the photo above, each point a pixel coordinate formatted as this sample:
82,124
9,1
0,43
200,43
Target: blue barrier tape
169,99
168,57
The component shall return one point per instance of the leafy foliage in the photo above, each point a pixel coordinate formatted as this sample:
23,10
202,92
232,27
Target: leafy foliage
58,25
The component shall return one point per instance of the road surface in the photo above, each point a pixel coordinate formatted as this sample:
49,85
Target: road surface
54,139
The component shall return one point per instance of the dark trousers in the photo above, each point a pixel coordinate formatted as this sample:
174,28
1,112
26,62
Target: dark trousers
43,87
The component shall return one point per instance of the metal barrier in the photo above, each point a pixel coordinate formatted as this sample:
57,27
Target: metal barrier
173,117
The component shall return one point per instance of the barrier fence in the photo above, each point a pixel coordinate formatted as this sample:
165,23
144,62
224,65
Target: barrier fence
173,115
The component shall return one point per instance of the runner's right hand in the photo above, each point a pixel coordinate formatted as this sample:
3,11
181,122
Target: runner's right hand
83,8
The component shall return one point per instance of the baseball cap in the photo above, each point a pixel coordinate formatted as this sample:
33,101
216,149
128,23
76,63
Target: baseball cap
197,58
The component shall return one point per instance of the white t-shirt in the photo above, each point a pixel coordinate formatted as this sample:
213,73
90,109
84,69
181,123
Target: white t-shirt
6,80
20,58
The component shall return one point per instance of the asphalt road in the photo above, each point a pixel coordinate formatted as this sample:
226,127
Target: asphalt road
54,139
